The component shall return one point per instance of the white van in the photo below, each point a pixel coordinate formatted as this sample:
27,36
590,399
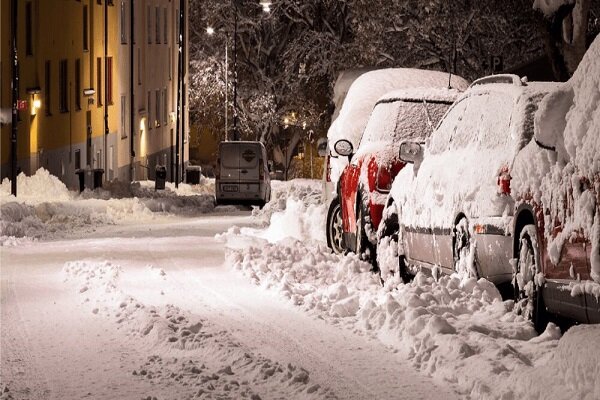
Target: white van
242,174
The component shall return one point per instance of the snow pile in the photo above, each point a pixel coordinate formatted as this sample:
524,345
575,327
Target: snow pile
457,330
186,352
568,120
35,189
295,210
364,93
45,208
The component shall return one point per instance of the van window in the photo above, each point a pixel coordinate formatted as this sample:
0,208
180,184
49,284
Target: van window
229,156
440,140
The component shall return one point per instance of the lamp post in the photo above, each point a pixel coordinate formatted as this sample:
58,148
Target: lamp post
266,7
211,31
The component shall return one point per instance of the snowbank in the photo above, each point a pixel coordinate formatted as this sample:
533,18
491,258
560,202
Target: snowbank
45,208
457,330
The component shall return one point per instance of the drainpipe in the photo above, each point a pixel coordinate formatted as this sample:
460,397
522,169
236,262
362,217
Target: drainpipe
15,99
179,75
183,85
105,86
132,92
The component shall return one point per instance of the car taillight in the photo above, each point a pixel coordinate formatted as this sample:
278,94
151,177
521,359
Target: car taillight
384,179
504,181
218,169
261,169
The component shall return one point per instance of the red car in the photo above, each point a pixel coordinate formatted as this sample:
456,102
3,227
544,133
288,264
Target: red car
402,115
557,247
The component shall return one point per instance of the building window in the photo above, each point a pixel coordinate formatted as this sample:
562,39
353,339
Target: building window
170,62
158,108
164,104
123,23
109,81
123,116
177,26
150,122
139,65
165,36
99,80
28,29
77,159
47,93
85,28
63,81
78,84
157,24
149,22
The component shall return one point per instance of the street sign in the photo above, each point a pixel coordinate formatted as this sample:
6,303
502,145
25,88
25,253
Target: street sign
21,105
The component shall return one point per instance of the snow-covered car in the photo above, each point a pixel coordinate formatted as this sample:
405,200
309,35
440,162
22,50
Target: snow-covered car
401,115
355,95
452,209
557,210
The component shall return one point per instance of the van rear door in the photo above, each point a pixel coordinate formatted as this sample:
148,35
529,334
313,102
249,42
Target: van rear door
249,154
229,163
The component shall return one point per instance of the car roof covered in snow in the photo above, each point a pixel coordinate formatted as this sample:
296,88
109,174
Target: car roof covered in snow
419,94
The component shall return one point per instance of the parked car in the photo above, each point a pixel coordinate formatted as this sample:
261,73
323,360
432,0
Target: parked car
410,114
242,175
452,209
557,208
355,95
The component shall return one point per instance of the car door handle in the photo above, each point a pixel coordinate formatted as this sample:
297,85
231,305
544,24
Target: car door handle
244,171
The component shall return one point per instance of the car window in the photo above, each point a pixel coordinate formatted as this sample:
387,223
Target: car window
403,120
440,139
494,131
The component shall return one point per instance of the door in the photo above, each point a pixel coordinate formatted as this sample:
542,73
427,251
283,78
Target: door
229,165
249,154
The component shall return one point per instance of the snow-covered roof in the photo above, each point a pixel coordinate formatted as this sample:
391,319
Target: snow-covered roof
427,93
364,93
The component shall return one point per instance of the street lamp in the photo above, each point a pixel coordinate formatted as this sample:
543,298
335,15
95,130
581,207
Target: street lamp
211,31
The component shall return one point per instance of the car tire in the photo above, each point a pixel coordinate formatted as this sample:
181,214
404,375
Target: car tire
389,261
334,229
463,250
527,294
363,247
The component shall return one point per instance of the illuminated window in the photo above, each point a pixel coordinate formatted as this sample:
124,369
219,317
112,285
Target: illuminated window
99,80
109,80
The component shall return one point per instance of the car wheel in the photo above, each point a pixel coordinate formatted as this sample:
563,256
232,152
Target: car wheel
388,259
463,250
363,247
334,229
527,292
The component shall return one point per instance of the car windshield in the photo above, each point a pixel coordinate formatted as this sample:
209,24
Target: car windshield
403,120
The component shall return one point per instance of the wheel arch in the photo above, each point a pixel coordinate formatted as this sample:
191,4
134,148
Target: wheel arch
524,216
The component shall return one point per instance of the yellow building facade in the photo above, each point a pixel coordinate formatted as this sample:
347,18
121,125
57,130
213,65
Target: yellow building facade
80,88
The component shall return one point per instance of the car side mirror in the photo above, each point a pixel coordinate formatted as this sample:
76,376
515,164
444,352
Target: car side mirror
344,148
411,152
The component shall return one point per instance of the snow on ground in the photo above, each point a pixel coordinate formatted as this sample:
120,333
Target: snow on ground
209,360
458,331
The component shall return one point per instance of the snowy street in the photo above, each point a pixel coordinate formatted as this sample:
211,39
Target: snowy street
130,293
67,334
